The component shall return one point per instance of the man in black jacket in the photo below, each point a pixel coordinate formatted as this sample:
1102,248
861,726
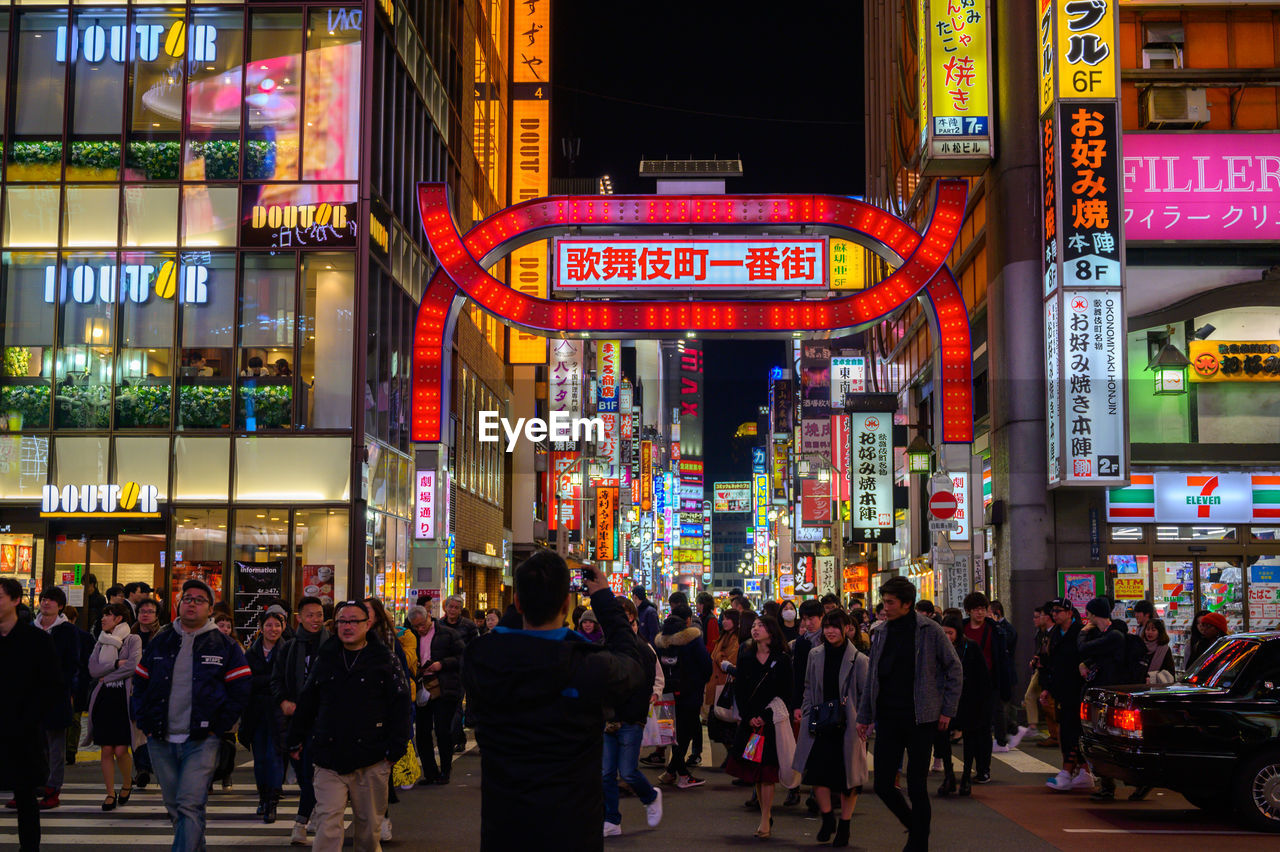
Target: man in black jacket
467,629
647,614
538,695
1102,645
434,652
686,668
288,676
66,642
1066,686
33,682
355,709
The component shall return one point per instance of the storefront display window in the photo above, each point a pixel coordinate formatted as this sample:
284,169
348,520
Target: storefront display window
331,137
76,557
80,461
158,69
273,81
318,469
210,215
203,467
31,216
144,460
199,549
21,558
39,87
321,538
327,359
261,534
24,466
150,215
1264,594
206,371
213,97
267,314
1173,583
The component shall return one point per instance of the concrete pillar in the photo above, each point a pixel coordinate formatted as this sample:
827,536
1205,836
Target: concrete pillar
1023,546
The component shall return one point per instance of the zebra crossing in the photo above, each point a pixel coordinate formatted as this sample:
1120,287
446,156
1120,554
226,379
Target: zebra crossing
80,821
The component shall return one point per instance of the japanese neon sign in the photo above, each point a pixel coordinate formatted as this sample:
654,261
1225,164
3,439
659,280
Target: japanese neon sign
424,516
957,66
682,263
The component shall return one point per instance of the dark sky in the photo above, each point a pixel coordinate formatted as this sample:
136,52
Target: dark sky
778,84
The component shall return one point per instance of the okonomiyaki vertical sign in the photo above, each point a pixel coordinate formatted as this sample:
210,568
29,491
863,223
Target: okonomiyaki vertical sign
872,470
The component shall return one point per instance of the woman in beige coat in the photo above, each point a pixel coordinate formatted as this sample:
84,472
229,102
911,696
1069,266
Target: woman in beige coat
833,759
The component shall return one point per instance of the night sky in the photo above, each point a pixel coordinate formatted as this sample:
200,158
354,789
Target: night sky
778,85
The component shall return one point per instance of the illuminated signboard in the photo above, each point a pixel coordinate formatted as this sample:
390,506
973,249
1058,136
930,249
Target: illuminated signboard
187,281
317,217
872,463
564,386
1085,43
606,506
646,476
530,158
1234,360
960,488
848,375
732,497
848,264
684,263
147,42
1047,59
424,515
761,489
957,130
126,500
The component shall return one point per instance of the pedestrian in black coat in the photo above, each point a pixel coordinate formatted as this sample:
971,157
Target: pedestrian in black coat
973,713
538,697
31,672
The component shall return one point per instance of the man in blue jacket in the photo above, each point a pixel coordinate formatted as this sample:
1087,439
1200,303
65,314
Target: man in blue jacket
190,688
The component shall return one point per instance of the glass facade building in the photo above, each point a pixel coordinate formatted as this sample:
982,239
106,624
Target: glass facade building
209,270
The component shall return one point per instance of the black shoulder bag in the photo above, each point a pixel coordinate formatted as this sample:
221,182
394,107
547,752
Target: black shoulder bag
829,717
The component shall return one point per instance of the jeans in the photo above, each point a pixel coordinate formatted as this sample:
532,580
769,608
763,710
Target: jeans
184,772
303,768
688,719
268,761
437,716
367,790
622,757
56,742
896,733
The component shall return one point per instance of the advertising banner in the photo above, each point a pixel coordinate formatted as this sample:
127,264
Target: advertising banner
563,487
732,497
840,456
564,385
624,263
1234,360
803,572
1091,431
815,502
848,375
646,476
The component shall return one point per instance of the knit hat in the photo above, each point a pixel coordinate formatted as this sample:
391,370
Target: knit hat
1218,620
198,585
586,616
1100,607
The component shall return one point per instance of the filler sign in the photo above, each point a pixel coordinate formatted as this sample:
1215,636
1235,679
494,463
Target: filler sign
678,263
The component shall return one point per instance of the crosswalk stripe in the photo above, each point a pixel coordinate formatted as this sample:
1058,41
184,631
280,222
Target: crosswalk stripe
212,839
1020,761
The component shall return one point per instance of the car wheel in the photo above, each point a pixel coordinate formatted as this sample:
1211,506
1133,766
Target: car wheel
1258,791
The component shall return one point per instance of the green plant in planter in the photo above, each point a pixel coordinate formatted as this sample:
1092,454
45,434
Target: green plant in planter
260,159
35,153
17,360
272,406
157,160
204,406
29,401
83,406
96,155
221,158
143,406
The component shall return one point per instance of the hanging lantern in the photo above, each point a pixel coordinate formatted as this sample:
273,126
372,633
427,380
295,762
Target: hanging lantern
919,455
1170,367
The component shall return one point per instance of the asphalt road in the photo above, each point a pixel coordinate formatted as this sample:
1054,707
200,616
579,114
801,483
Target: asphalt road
1015,812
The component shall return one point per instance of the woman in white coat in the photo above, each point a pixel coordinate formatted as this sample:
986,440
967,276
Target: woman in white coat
114,658
829,751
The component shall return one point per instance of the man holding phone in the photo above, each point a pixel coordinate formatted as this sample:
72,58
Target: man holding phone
538,696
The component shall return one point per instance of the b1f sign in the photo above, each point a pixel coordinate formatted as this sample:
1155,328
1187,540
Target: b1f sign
424,511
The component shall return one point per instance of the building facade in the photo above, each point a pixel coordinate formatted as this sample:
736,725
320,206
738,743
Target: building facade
211,264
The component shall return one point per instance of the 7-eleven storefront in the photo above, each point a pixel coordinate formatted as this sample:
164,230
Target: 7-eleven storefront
1198,540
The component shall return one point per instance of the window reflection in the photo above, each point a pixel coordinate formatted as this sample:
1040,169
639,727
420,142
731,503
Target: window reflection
272,83
214,96
331,135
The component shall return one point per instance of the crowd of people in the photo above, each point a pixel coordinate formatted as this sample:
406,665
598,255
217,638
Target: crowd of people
823,696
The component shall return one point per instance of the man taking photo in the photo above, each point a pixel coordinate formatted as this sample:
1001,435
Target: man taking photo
538,696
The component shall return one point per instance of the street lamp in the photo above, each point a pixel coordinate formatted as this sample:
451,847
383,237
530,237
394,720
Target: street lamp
919,455
1170,367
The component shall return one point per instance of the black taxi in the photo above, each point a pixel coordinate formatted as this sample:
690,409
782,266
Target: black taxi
1213,736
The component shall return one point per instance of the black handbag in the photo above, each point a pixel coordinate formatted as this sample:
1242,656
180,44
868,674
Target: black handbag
829,717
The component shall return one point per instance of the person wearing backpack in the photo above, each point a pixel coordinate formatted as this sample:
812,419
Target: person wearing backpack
1103,644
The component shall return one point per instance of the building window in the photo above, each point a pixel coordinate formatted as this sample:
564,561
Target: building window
328,319
331,132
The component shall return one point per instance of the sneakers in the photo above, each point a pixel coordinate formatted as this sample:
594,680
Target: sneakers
1103,796
1016,737
666,778
652,812
386,828
1060,782
982,778
612,830
1082,780
684,782
1002,749
298,836
658,758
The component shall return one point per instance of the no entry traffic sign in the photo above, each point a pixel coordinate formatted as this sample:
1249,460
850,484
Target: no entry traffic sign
942,505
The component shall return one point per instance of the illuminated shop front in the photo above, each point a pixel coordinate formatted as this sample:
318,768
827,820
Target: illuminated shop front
186,283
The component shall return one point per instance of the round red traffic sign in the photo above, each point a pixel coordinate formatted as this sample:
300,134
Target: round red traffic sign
942,505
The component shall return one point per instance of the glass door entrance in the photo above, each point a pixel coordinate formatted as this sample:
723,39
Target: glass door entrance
111,560
1184,586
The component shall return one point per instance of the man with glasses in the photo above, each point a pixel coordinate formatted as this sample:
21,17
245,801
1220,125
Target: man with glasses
355,711
189,689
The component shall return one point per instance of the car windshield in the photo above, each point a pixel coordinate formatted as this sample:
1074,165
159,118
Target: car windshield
1223,663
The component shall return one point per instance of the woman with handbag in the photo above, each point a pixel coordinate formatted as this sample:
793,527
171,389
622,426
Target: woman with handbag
115,656
829,751
725,649
763,673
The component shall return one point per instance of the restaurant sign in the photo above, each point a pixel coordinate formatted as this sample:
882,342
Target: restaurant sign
1234,360
955,70
126,500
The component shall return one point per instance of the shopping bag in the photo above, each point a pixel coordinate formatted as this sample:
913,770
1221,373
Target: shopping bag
726,709
660,727
408,769
754,751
